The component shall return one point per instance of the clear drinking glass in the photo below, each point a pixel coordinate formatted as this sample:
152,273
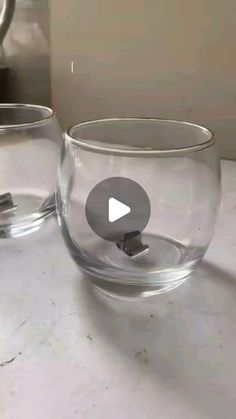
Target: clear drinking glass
30,143
177,165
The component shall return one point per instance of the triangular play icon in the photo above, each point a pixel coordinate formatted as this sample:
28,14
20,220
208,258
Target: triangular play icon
117,210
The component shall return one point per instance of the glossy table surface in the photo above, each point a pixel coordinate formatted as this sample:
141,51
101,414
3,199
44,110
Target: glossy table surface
67,352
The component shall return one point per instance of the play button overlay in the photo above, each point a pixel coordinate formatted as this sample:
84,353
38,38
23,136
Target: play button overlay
117,210
116,207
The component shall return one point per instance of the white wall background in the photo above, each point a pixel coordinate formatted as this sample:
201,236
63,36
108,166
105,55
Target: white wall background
159,58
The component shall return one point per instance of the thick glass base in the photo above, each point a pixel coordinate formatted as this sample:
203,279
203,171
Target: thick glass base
165,265
24,218
22,230
132,292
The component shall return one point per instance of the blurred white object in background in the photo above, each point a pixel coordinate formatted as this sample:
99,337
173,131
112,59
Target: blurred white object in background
34,4
26,49
7,8
26,38
6,16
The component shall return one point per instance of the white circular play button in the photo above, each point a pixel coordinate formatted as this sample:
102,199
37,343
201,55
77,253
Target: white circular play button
116,207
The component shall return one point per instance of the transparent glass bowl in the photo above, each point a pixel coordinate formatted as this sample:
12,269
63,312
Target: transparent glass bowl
177,164
30,144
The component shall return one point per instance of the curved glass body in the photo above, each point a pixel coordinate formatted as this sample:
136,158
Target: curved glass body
30,144
177,164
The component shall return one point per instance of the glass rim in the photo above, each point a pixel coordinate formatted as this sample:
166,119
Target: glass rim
37,122
83,142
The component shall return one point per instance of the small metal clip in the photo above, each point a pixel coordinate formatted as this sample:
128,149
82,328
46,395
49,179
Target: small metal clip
132,244
6,203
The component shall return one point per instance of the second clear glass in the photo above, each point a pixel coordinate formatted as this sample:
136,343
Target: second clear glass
30,144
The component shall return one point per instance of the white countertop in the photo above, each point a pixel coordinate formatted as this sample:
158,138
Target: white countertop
66,352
